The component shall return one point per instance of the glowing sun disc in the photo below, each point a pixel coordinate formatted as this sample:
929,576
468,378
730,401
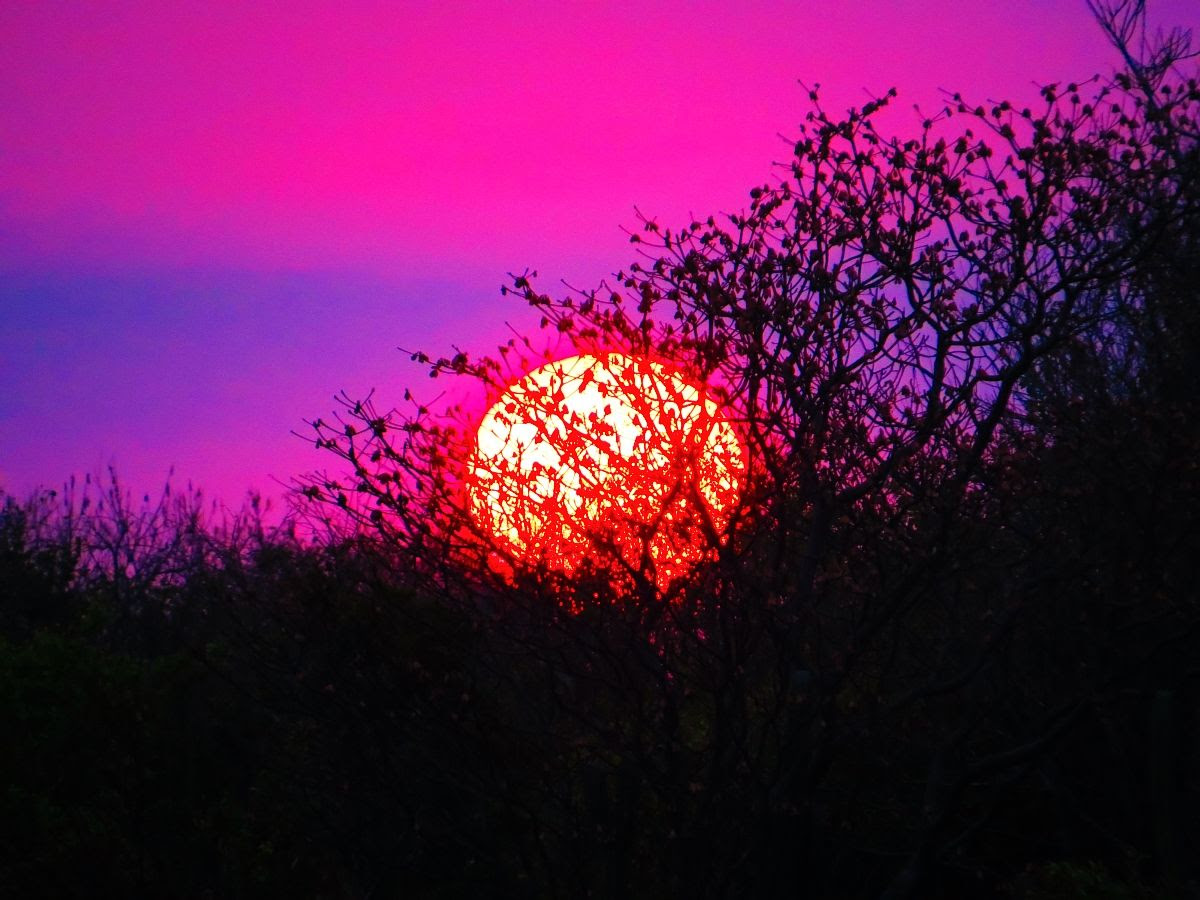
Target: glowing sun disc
606,458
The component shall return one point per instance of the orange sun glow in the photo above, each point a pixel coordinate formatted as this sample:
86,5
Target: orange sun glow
611,459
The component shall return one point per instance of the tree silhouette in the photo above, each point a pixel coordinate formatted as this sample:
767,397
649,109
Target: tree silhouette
939,642
922,340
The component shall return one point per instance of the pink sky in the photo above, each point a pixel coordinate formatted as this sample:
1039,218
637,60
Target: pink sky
213,217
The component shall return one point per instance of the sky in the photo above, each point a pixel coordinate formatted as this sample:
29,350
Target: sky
216,216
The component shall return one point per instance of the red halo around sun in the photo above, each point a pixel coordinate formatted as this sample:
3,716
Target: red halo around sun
621,462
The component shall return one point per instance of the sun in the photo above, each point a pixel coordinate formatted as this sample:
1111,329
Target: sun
618,461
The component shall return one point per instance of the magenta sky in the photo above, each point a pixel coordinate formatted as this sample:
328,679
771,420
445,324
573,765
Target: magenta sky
213,217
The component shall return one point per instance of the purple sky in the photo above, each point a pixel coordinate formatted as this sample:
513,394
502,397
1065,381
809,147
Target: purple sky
213,218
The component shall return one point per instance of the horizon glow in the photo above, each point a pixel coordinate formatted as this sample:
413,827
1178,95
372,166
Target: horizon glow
214,218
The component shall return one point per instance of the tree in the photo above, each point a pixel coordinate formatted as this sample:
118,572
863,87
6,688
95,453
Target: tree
878,683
